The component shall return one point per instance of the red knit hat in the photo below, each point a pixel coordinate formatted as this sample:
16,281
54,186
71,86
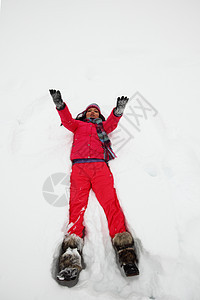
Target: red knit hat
81,116
93,105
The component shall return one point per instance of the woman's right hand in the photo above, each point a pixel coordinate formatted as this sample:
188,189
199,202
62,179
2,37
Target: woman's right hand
57,99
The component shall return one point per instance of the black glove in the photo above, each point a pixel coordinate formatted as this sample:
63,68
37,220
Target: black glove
57,99
121,103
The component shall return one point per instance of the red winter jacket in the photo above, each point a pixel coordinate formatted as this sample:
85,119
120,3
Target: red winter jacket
86,143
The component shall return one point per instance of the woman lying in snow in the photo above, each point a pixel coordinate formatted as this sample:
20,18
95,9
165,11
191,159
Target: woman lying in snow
91,151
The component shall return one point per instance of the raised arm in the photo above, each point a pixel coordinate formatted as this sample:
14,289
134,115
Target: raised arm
63,111
111,123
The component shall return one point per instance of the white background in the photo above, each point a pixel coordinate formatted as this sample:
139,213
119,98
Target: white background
95,51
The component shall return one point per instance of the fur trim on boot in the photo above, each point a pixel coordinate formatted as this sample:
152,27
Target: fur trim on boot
70,259
123,240
72,241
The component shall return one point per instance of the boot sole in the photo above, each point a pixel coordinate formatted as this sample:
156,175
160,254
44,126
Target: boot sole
68,277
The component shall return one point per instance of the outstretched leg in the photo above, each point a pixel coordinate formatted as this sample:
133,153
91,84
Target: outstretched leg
123,243
103,187
79,193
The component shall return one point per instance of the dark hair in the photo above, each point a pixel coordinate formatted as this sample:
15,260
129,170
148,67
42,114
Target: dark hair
82,116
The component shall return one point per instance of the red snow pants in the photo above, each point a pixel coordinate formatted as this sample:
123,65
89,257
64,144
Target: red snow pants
95,175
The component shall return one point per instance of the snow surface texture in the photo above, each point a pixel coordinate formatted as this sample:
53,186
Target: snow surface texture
95,51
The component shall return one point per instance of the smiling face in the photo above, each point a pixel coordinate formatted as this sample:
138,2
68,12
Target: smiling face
92,112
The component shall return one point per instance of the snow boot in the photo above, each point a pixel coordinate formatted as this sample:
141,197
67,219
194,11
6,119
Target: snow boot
123,244
70,261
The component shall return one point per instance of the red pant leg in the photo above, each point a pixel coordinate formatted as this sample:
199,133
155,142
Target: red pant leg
79,192
103,187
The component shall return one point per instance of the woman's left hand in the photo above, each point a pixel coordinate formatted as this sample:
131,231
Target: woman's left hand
121,103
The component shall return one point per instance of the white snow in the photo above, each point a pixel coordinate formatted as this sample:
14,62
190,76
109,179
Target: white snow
95,51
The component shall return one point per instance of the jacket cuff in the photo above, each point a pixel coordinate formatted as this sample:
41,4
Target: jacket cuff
61,108
115,114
